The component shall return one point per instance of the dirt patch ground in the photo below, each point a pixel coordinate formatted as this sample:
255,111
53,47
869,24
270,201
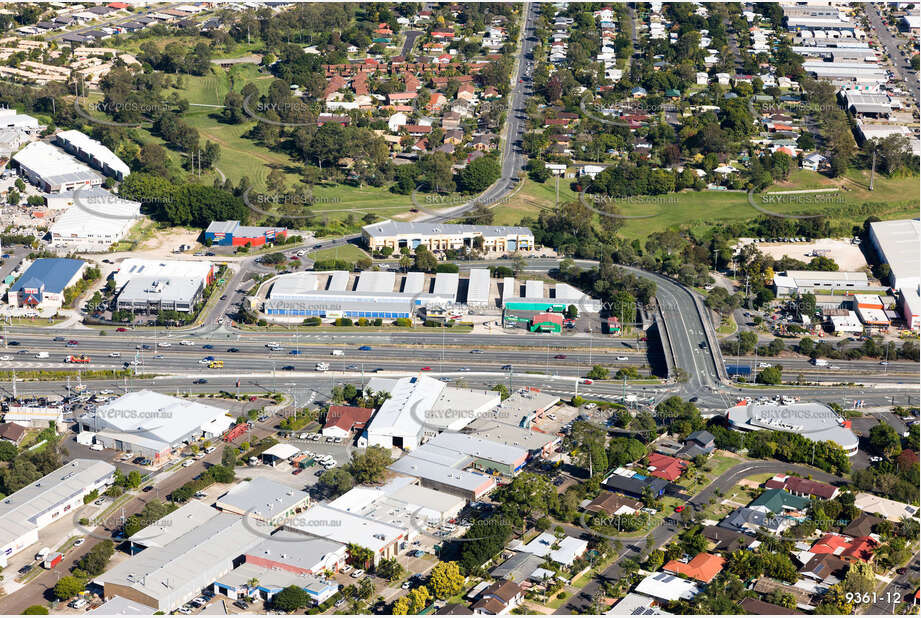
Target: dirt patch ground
846,255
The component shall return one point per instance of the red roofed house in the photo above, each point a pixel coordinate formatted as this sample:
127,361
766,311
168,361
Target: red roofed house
442,34
436,102
117,5
336,82
401,97
802,487
703,567
416,130
342,420
665,467
849,550
466,92
412,82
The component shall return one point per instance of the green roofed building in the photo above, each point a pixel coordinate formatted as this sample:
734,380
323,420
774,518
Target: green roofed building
778,501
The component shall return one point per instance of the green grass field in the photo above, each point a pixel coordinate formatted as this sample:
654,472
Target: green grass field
241,156
347,252
698,210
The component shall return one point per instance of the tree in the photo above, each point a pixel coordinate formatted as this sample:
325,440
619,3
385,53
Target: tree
290,599
229,457
446,580
35,610
771,375
95,561
134,479
68,587
359,556
413,603
389,569
480,174
336,482
885,440
369,466
598,372
425,259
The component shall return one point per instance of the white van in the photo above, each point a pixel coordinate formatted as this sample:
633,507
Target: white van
337,353
42,553
41,355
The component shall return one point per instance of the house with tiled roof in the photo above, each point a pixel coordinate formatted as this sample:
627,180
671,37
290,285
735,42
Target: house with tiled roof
436,102
778,501
665,467
703,567
499,598
11,432
862,525
846,548
799,486
609,503
826,569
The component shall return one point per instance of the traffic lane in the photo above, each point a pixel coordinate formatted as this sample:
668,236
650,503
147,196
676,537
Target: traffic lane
901,585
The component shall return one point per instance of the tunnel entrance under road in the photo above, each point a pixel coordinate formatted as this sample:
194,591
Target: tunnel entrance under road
655,353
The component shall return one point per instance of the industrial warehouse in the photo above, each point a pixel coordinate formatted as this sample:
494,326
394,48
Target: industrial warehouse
24,513
152,424
443,236
391,295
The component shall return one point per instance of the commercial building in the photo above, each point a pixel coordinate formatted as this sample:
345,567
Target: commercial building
535,296
815,421
444,471
911,307
89,150
152,424
400,419
342,420
54,496
154,294
167,576
117,606
42,285
168,528
11,119
252,581
53,170
896,243
495,427
850,323
491,457
35,416
298,554
401,502
870,310
132,268
803,281
546,323
443,236
232,234
93,221
326,522
264,501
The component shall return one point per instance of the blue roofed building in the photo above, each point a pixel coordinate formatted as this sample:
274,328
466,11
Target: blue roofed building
42,285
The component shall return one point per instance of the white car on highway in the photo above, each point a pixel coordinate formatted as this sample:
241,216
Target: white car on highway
623,358
115,354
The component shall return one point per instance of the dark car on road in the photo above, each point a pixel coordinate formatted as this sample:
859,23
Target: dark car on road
233,349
